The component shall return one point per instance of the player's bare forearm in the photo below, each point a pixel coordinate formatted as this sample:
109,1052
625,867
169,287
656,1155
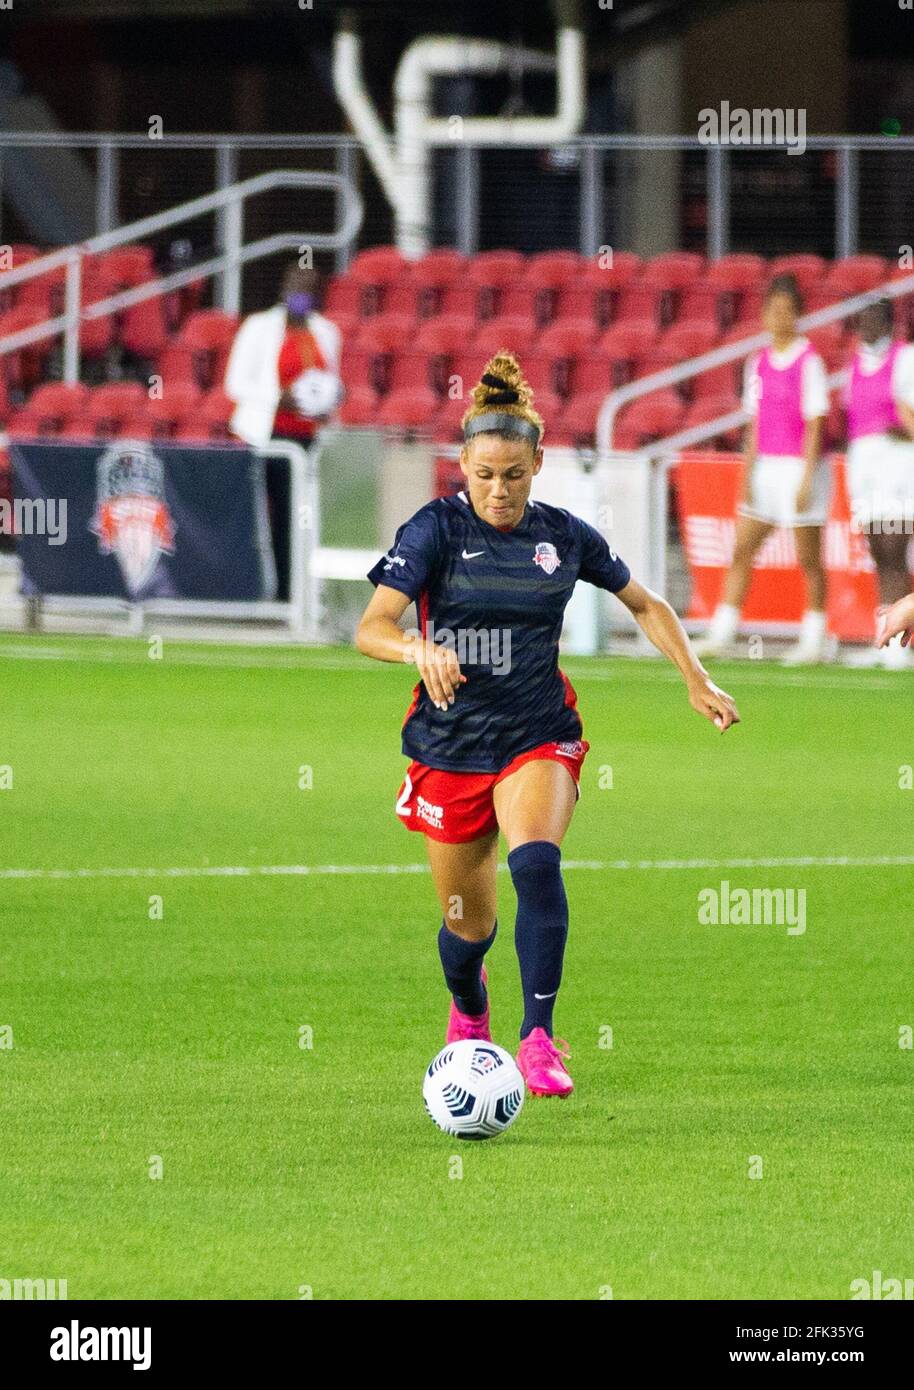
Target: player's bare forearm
662,627
812,444
906,416
384,640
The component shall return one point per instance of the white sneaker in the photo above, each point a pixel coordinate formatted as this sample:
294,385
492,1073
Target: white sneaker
811,653
864,658
895,657
712,646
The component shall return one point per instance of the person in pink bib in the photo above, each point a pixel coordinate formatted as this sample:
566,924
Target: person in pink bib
880,458
785,480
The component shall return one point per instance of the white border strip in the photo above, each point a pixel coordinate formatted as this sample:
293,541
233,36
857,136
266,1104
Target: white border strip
828,861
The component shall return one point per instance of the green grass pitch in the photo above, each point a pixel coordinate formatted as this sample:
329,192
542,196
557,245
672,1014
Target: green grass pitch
288,1168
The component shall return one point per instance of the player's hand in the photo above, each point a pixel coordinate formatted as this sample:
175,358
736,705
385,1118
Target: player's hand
894,618
715,704
440,670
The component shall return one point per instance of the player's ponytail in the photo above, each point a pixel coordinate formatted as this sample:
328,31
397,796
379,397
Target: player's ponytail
501,396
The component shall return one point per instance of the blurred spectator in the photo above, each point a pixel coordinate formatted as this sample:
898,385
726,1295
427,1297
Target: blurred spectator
283,375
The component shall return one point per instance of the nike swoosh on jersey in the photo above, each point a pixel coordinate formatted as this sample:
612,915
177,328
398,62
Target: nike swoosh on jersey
471,554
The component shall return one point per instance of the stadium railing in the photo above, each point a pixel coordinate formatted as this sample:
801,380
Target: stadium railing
227,263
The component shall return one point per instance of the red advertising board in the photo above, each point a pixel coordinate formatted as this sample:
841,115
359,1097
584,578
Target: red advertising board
706,487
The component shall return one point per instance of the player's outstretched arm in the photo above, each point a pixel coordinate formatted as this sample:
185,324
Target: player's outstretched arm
379,635
898,617
661,626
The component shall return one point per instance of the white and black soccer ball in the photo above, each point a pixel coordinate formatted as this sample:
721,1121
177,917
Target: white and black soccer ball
473,1089
316,392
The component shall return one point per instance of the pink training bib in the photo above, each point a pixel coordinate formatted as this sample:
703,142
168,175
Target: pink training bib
780,407
871,407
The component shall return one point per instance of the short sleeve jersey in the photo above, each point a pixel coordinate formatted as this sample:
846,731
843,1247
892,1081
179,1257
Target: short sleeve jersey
497,597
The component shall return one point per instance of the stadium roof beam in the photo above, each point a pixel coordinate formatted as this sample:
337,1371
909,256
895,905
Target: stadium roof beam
403,165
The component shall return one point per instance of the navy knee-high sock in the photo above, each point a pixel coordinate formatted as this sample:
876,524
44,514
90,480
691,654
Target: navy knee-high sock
541,928
461,961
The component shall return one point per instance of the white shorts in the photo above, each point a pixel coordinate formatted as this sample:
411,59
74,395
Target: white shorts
773,491
880,479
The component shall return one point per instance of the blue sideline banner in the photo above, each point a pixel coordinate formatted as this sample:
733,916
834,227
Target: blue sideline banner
137,520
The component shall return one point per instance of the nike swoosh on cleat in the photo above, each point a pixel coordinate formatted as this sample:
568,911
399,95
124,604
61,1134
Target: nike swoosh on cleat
471,555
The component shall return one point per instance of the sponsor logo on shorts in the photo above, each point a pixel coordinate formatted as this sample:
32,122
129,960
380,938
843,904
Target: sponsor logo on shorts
432,815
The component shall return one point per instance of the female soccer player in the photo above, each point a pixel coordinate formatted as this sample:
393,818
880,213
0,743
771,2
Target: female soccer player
785,481
880,456
499,746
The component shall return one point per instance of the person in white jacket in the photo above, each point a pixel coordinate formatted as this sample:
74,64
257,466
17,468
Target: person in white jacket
283,375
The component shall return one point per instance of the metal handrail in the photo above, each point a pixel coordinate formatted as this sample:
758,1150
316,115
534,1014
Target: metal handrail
235,253
720,357
294,140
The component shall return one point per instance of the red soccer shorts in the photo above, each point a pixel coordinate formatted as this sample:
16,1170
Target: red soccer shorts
457,806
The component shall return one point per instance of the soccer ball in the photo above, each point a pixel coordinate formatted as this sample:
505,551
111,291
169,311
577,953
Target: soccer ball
473,1090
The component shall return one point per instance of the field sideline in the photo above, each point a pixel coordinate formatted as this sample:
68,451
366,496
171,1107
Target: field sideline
288,1169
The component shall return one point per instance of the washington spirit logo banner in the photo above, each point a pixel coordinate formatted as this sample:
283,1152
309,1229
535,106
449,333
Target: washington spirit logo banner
146,520
132,520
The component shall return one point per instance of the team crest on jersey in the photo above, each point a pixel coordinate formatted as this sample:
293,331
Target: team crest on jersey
132,520
572,749
546,556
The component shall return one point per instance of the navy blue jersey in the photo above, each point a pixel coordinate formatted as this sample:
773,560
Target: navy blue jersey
497,598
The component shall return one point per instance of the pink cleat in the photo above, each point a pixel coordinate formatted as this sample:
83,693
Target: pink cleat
542,1064
460,1026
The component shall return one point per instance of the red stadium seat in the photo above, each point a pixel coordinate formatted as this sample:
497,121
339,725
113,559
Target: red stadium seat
137,427
552,269
590,295
378,266
513,334
109,406
215,411
446,423
857,275
386,333
464,369
126,266
374,270
829,343
654,417
359,367
56,402
737,272
562,341
567,337
578,421
208,335
343,295
685,340
23,368
521,301
462,297
412,368
491,271
402,298
625,342
438,267
178,406
640,301
143,330
539,370
360,407
412,407
445,334
808,269
673,270
718,381
347,323
704,409
594,371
